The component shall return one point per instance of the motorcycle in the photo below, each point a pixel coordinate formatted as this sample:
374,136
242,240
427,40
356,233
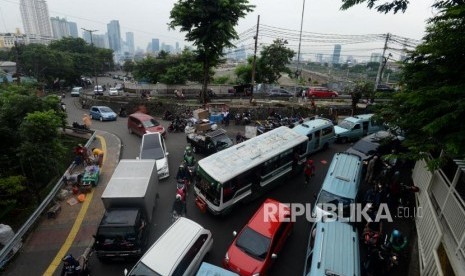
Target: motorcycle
77,126
176,126
122,112
237,119
181,189
406,193
63,106
168,116
246,118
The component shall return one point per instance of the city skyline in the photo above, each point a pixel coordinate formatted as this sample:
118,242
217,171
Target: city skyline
151,21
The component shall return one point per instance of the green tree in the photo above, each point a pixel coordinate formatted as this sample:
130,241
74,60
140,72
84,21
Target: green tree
210,26
10,189
274,60
40,148
128,66
431,107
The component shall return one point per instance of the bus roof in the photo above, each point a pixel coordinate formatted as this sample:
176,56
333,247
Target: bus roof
230,162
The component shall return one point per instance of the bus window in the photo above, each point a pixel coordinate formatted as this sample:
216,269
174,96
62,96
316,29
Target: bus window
270,165
285,157
327,130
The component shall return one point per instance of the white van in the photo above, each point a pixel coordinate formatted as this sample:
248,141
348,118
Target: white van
76,91
332,250
179,251
340,186
354,128
320,133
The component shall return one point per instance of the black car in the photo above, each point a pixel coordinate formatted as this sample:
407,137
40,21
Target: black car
278,92
378,143
384,88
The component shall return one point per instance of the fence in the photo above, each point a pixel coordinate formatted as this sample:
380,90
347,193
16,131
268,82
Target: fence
6,252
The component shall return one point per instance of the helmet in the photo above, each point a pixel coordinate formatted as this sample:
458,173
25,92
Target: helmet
188,150
396,233
178,197
68,258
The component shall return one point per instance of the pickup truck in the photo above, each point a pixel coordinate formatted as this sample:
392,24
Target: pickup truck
209,142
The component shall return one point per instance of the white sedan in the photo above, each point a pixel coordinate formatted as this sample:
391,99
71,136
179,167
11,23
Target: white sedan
113,92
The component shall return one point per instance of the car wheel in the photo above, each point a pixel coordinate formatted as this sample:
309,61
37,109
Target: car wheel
344,140
101,119
333,96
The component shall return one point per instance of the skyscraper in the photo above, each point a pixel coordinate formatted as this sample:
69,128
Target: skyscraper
36,20
114,35
60,27
155,45
130,42
73,30
336,54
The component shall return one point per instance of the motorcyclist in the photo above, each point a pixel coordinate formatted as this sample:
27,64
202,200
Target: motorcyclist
182,173
189,157
71,266
179,206
398,241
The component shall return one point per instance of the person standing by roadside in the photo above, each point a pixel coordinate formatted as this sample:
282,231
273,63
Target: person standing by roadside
98,155
371,169
309,170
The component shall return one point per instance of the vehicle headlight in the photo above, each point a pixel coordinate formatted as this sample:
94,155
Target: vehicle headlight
226,258
256,274
164,167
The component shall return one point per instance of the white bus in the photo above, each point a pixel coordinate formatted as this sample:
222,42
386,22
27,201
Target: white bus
246,170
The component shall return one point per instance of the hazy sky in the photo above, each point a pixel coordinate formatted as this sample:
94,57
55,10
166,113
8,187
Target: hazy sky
148,19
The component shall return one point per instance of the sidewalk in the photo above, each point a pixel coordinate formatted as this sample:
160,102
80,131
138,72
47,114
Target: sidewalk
52,239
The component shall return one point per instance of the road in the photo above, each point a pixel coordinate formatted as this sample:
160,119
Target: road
291,259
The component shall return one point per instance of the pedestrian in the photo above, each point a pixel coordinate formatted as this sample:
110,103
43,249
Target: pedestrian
302,93
226,118
98,155
371,169
309,170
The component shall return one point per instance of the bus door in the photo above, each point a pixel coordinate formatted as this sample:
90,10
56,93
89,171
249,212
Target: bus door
365,128
310,143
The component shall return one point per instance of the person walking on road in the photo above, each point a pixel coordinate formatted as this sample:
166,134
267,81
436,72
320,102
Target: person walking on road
371,169
309,170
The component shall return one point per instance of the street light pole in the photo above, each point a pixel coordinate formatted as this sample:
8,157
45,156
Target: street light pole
299,71
93,49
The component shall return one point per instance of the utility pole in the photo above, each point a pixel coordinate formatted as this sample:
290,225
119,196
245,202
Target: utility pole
299,71
93,48
381,64
18,79
255,55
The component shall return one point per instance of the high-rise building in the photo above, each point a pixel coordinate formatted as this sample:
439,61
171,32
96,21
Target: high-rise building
100,41
73,29
375,57
86,37
336,54
114,35
35,17
130,42
155,45
60,27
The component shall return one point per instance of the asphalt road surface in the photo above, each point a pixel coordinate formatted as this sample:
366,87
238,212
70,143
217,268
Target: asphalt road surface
289,262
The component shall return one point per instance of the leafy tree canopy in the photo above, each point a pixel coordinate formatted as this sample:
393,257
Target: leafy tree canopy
273,61
431,108
209,24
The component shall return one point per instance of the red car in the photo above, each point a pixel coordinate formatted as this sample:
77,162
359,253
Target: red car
141,123
321,92
257,245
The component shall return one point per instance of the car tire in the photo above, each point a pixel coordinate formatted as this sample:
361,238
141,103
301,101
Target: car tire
344,140
333,96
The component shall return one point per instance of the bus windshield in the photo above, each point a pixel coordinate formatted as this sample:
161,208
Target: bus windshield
210,188
346,124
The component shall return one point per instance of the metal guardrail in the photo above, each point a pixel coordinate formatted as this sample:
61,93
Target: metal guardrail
5,253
